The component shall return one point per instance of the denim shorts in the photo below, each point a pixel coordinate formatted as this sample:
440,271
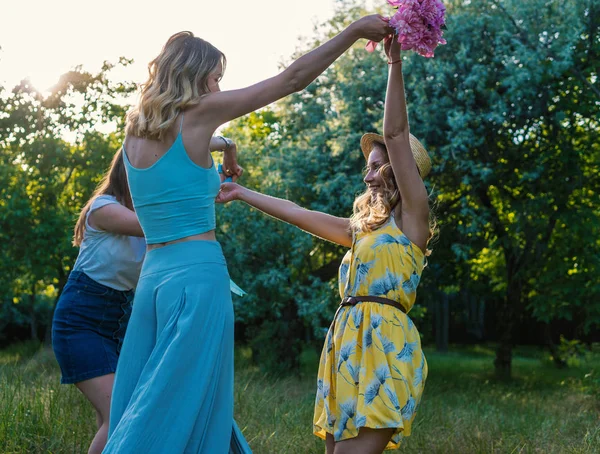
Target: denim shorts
88,328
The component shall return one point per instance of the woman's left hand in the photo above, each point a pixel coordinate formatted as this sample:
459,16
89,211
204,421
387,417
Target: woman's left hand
229,192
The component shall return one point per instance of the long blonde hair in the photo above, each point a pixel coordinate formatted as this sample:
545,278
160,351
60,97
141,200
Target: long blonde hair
176,79
370,213
114,182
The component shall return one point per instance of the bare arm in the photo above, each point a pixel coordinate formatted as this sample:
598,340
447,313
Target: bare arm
220,107
331,228
115,218
415,205
217,143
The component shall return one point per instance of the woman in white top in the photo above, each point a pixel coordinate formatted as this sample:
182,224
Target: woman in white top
93,310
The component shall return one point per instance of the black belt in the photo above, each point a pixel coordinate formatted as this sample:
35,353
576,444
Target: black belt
354,300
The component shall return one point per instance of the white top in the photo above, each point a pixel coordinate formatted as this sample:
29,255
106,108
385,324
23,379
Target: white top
108,258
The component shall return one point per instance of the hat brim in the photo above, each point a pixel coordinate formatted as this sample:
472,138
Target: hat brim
419,152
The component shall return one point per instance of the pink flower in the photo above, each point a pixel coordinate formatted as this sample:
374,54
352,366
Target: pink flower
396,3
418,24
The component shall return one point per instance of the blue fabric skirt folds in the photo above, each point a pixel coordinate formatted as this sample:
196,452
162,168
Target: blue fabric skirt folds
173,389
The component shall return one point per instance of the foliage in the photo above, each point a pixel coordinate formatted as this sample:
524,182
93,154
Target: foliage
508,110
52,155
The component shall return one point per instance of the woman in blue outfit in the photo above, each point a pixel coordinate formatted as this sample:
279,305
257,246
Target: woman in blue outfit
174,385
93,310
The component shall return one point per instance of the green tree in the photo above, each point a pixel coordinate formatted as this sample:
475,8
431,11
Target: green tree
51,157
509,108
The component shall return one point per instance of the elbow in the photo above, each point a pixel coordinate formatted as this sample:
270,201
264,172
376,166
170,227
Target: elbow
295,81
397,133
296,84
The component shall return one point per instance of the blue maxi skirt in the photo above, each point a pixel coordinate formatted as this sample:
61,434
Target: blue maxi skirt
173,390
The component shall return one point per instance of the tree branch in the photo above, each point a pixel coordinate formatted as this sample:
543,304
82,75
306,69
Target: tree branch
67,179
582,77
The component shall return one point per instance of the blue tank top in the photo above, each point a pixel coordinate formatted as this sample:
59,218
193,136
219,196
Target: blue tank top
174,197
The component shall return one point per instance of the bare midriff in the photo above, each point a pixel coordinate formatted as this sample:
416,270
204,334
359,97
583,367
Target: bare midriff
208,236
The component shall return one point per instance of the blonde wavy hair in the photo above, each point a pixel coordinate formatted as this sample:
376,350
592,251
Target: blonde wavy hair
114,182
176,79
370,213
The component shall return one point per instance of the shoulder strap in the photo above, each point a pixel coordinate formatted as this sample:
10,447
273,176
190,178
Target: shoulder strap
393,220
350,265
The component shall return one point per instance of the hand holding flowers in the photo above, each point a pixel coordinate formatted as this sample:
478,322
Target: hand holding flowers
418,25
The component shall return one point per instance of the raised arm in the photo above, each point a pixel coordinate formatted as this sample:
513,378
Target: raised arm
220,107
415,206
331,228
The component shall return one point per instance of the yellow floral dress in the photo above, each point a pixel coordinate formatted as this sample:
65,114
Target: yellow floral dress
372,370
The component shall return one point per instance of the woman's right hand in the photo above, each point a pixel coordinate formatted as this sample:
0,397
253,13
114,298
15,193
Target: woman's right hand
374,27
229,192
231,168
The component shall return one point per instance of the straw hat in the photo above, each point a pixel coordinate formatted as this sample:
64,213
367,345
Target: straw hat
418,150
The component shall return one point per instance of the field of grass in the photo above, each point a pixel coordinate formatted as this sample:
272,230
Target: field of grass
543,410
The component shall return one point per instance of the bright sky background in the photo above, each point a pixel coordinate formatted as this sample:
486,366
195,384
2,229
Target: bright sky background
42,39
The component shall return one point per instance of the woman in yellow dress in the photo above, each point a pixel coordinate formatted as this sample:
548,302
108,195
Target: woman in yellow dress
372,370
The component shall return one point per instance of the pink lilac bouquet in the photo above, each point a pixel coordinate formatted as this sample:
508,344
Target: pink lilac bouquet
418,25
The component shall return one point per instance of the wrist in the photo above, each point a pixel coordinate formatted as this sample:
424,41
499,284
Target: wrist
230,154
243,194
354,31
227,143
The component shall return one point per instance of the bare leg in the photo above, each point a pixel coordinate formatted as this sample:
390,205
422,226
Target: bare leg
329,443
99,391
368,441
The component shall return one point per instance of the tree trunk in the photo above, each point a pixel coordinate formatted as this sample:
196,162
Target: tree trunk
62,281
475,308
503,361
441,323
32,315
481,319
558,361
507,317
48,333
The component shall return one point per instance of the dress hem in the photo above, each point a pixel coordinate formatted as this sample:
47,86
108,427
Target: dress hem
321,432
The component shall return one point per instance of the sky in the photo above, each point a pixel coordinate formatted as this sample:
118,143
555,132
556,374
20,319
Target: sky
42,39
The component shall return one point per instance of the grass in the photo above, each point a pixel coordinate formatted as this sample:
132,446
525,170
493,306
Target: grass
464,410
